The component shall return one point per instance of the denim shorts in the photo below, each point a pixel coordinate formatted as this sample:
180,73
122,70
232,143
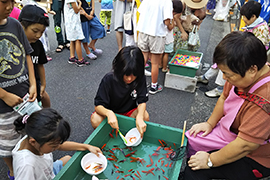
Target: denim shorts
57,166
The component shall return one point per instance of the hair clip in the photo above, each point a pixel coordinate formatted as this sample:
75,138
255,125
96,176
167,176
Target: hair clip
24,120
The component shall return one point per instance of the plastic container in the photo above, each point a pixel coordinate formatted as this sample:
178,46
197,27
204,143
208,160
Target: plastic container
73,171
185,69
90,160
133,137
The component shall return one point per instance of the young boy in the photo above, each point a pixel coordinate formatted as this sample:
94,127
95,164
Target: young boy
17,78
106,12
177,11
34,21
254,23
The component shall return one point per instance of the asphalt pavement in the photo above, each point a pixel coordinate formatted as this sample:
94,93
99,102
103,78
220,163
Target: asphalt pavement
72,89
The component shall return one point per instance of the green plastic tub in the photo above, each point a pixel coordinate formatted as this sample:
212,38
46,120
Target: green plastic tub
182,68
155,132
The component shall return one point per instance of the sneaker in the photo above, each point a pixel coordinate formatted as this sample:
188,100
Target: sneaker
213,93
147,73
97,51
72,60
9,176
91,56
82,63
146,66
108,31
201,79
156,90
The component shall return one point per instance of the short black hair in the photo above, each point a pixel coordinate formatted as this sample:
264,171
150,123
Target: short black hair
46,125
129,61
240,51
251,8
177,6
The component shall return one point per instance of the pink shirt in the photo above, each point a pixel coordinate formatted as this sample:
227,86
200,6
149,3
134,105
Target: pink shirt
15,13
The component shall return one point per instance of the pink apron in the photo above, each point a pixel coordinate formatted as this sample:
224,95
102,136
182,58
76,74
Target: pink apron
221,134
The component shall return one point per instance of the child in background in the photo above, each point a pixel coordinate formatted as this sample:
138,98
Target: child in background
123,91
250,12
74,31
34,21
17,78
91,26
154,15
177,10
106,12
15,13
46,131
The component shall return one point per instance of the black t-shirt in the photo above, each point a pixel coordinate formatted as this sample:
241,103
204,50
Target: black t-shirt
13,64
87,9
38,57
118,96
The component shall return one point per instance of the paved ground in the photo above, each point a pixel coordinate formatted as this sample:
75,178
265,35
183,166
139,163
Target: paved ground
72,89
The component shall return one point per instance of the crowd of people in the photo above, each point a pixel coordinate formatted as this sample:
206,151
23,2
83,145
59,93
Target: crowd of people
232,144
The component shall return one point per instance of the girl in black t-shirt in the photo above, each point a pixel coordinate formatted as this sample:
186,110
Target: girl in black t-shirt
123,91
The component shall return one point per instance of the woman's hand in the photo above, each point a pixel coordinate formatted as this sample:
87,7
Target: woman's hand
184,36
94,149
199,161
112,120
200,127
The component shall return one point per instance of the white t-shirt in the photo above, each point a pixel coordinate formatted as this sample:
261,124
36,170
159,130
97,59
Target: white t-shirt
27,165
169,37
152,16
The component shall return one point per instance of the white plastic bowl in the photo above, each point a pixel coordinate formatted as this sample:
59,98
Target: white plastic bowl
133,133
92,159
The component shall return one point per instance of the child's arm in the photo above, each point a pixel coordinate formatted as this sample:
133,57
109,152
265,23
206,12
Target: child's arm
140,124
41,73
32,79
169,23
75,7
112,120
88,16
93,8
9,98
74,146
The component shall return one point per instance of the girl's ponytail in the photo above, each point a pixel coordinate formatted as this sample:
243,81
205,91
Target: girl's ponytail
19,125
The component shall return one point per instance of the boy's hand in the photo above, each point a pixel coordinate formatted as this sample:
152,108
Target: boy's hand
12,99
32,93
94,149
42,90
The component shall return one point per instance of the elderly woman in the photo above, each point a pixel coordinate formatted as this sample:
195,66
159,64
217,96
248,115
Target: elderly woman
234,142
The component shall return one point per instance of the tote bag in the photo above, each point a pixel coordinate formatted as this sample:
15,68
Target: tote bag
127,17
193,36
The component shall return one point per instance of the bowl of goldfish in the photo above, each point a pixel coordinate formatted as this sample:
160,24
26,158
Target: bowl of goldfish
133,137
93,164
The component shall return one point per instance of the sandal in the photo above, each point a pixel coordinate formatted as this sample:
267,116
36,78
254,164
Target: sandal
59,48
67,46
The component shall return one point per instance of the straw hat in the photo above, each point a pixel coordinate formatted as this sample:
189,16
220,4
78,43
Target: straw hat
196,4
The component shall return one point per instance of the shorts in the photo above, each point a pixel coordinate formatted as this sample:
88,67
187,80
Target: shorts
128,113
9,137
168,48
94,29
153,44
57,166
